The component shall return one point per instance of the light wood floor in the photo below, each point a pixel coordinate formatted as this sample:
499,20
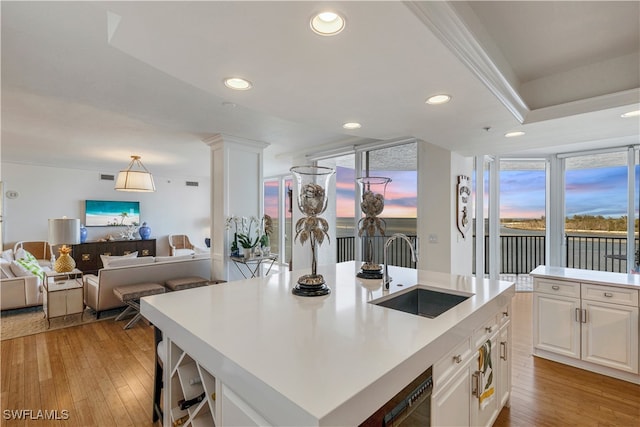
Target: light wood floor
103,376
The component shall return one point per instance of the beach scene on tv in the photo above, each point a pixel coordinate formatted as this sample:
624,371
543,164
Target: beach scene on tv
111,213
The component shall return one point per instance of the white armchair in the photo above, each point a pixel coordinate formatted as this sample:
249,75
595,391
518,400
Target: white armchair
179,244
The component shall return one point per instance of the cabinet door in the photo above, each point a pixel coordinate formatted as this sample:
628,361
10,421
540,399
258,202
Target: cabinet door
57,303
451,403
237,412
504,364
610,335
75,303
554,324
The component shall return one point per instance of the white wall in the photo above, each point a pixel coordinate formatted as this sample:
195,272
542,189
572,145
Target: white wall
46,192
442,247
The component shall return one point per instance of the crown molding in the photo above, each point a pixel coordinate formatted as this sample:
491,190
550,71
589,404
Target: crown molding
445,23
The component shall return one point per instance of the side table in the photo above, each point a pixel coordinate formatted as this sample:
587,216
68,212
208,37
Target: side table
63,294
252,265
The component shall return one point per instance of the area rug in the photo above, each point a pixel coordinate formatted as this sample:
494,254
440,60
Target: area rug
28,321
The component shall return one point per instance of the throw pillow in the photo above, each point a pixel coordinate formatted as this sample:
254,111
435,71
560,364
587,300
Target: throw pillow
106,259
8,255
179,252
31,267
23,254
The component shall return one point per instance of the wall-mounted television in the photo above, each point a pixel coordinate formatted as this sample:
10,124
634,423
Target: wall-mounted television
111,213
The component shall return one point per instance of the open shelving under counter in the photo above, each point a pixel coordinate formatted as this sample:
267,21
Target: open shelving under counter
192,388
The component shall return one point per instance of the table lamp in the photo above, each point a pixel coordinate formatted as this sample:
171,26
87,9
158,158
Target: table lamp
64,231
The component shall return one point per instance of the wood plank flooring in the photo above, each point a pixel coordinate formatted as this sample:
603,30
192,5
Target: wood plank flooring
103,376
94,375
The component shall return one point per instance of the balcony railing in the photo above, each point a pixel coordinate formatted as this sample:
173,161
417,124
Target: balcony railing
399,254
518,254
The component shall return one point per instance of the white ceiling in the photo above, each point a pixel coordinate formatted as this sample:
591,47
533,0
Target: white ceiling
87,84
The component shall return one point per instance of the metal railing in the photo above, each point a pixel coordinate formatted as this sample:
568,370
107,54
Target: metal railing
518,254
399,254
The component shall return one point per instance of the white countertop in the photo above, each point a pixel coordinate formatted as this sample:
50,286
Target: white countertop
588,276
329,360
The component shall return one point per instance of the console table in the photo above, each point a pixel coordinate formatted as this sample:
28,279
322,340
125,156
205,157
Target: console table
87,255
252,265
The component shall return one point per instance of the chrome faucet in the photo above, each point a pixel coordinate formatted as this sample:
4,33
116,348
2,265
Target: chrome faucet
414,257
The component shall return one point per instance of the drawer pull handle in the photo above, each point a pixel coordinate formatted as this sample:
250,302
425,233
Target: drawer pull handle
503,350
457,358
505,314
608,294
488,329
555,287
475,384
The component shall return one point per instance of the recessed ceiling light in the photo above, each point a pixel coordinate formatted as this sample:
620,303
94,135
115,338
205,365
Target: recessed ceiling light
237,83
630,114
438,99
512,134
352,125
327,23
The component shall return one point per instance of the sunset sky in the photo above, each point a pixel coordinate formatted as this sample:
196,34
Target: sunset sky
592,191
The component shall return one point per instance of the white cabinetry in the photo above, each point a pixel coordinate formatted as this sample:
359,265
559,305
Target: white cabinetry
554,308
609,329
459,382
590,326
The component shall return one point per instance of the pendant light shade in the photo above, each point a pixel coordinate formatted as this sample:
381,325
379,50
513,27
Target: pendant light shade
135,178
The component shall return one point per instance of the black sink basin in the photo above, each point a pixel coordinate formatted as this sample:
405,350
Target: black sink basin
423,302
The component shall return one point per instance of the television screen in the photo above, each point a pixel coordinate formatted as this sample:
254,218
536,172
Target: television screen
111,213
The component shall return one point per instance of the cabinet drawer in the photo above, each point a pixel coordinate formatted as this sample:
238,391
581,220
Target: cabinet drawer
557,287
448,365
505,314
612,294
485,331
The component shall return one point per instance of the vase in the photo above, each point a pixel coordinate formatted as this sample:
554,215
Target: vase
246,252
83,233
312,183
144,231
372,190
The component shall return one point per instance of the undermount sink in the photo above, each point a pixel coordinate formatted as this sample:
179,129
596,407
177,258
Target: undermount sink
423,302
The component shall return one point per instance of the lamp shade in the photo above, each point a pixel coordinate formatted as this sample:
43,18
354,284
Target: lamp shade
64,231
131,179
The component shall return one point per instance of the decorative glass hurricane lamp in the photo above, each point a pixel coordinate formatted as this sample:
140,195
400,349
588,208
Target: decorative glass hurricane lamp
372,189
312,182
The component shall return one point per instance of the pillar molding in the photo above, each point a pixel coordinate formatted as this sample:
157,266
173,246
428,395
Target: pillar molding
236,190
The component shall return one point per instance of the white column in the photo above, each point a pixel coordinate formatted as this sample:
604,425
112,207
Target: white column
236,190
555,244
442,247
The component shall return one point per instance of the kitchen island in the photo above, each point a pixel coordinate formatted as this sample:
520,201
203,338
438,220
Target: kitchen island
267,357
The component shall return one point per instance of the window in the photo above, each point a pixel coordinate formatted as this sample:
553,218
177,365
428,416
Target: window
596,207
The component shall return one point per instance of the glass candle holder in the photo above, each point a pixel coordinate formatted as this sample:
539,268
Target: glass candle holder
372,189
312,182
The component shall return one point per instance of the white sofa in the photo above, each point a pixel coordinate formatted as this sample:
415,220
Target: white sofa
98,289
20,292
18,288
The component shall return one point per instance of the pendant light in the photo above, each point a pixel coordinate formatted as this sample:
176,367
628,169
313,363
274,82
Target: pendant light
135,178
